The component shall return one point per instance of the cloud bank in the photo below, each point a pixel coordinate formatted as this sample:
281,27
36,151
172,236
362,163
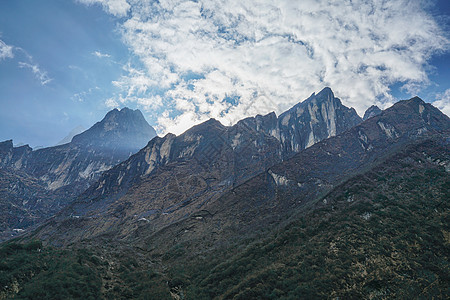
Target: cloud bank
443,102
236,58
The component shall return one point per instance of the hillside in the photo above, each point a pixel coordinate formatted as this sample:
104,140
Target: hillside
381,234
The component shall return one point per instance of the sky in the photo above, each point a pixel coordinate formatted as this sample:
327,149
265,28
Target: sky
66,63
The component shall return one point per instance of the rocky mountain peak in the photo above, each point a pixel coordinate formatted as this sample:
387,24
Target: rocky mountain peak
38,183
326,94
371,111
320,116
120,130
6,145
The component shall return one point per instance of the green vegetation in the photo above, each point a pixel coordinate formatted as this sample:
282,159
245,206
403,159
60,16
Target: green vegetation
372,239
36,272
31,271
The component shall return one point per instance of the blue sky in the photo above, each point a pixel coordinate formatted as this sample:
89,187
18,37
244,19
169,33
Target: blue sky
66,63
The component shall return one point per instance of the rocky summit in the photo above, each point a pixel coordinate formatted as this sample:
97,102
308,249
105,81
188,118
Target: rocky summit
371,111
121,132
39,183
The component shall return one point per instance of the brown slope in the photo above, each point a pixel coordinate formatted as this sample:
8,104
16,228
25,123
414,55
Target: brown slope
271,197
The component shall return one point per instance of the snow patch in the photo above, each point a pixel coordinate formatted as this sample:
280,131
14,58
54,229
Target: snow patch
422,130
275,133
294,146
119,180
18,164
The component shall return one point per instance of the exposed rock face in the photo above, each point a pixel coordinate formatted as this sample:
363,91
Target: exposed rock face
57,175
249,147
319,117
371,111
175,176
173,197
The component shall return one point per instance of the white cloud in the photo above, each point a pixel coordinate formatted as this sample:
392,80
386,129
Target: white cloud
81,96
41,75
118,8
6,51
111,103
235,58
101,55
443,102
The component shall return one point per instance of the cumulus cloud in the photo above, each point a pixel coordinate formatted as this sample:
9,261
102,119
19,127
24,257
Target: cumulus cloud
236,58
6,51
118,8
443,102
40,74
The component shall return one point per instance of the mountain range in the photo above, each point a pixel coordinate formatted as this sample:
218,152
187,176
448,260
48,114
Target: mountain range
36,184
314,203
178,176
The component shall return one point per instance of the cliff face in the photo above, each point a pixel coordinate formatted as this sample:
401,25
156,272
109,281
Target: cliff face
319,117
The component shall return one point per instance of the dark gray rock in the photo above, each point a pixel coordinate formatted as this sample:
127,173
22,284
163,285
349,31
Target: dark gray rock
372,111
319,117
